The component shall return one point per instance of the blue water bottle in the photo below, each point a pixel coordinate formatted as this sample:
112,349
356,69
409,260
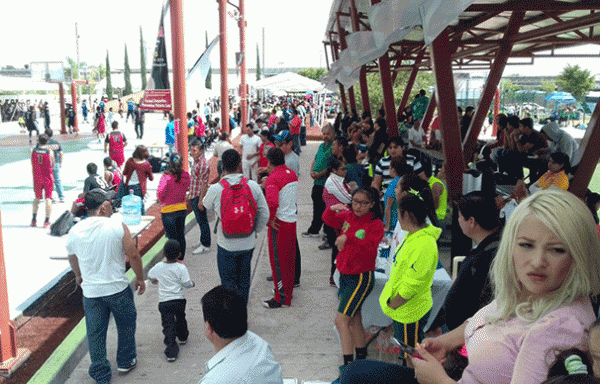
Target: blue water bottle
132,209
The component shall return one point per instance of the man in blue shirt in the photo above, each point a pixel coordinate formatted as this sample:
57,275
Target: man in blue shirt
130,105
170,134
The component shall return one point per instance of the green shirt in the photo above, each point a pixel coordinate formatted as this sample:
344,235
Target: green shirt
321,159
440,212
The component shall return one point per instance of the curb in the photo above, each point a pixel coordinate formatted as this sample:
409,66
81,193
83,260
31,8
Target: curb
65,358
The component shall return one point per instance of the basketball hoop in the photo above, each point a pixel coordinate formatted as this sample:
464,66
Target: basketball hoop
48,71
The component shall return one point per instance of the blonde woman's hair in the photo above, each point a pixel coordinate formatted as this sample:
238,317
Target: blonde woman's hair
571,222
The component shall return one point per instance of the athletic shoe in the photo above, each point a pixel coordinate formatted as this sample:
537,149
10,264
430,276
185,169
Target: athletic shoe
182,342
310,235
62,200
46,224
272,304
33,223
297,285
332,282
324,246
270,278
200,249
171,359
129,368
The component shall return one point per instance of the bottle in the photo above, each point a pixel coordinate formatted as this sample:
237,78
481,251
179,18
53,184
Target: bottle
132,209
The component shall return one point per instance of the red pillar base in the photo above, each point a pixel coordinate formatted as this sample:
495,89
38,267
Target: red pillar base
8,367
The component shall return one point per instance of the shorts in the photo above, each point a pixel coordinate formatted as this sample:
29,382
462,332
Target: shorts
412,333
354,289
45,186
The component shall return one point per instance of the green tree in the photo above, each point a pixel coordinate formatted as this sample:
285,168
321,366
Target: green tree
127,75
508,91
575,80
8,67
313,73
548,86
109,90
143,60
258,72
208,81
72,70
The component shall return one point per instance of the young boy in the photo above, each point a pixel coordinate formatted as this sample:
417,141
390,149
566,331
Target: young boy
171,278
397,169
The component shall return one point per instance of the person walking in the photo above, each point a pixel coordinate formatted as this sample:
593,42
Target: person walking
170,134
98,247
198,187
42,163
58,159
136,173
235,253
250,144
171,192
115,144
31,123
140,118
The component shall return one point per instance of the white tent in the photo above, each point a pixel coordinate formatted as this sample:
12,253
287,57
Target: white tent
8,83
289,82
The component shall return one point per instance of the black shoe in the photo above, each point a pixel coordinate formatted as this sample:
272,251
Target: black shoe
308,234
296,285
269,278
128,368
272,304
324,246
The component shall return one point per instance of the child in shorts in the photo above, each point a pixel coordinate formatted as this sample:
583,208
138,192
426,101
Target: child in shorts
171,278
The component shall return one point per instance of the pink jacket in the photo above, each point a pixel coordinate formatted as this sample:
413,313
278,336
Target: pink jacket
170,192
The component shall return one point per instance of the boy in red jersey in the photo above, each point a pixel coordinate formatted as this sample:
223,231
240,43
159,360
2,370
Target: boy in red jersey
42,162
115,144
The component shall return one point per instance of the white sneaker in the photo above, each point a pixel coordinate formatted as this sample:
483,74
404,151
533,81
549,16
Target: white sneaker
201,249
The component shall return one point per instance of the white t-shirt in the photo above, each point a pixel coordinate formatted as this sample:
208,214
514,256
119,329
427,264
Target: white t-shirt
416,136
98,244
250,146
221,147
172,278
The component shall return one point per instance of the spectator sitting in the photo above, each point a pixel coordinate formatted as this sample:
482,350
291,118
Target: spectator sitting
592,199
561,141
572,366
558,167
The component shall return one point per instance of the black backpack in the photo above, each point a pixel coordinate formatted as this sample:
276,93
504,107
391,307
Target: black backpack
62,226
158,165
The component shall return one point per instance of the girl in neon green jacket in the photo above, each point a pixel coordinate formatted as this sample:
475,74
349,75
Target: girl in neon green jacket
406,297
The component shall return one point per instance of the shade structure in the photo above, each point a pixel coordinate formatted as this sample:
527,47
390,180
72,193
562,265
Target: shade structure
288,82
25,84
563,97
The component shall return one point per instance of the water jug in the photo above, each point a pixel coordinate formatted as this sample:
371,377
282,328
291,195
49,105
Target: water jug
132,209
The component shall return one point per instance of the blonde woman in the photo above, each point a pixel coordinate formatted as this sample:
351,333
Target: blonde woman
546,269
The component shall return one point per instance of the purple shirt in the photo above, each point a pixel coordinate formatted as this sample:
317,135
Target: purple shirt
518,352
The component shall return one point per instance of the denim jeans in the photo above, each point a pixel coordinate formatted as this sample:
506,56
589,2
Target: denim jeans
202,220
97,314
296,140
172,315
318,208
57,183
303,135
174,224
234,269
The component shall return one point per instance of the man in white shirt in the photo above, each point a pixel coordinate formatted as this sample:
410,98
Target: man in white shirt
242,356
284,141
97,247
250,144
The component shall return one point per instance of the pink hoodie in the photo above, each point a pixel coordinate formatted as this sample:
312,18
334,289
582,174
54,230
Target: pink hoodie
170,192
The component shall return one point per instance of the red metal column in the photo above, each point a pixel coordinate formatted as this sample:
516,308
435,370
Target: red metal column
496,112
426,120
441,59
364,90
243,88
179,78
342,35
74,104
411,82
7,333
61,96
388,95
589,160
491,85
336,56
224,71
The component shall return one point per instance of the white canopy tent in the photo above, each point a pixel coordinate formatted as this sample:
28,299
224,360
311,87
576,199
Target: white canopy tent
288,82
24,84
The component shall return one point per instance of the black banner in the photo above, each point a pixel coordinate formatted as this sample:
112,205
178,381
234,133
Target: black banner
160,68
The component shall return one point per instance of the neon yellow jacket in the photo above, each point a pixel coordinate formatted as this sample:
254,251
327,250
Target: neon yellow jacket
412,276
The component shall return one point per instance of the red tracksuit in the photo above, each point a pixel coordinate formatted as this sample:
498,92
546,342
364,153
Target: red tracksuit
116,147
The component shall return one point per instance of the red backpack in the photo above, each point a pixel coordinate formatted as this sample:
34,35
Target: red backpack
238,209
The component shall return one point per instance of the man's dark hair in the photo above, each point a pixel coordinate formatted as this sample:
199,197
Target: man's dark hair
43,139
469,109
172,250
92,168
197,143
396,140
460,111
527,122
48,132
224,309
514,121
502,120
276,157
561,158
399,165
107,161
482,208
422,92
341,141
115,124
231,160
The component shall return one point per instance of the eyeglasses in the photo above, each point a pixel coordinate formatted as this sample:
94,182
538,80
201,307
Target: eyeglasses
361,202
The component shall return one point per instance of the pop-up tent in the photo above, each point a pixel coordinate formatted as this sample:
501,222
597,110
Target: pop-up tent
289,82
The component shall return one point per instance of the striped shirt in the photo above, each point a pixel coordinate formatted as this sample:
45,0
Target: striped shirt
382,168
200,171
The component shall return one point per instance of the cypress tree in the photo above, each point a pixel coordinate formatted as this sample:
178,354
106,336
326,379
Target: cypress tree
127,74
258,73
109,90
208,81
142,60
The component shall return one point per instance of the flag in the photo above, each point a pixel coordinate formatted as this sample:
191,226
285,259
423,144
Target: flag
160,69
202,65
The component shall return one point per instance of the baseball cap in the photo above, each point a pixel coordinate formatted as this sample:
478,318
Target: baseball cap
265,132
95,198
283,136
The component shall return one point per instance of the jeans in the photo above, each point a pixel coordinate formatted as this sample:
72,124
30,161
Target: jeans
303,135
376,372
57,183
202,220
331,238
296,140
234,269
172,315
174,224
139,130
318,208
97,314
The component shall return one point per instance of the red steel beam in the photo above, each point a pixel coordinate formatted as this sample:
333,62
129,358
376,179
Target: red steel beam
243,87
470,141
179,102
335,54
223,63
428,116
441,53
411,81
342,35
61,96
539,5
364,90
589,160
388,95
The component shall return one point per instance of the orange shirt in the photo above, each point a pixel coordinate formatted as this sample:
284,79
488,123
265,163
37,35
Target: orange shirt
559,180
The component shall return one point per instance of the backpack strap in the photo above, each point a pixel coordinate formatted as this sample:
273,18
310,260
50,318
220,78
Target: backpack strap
224,183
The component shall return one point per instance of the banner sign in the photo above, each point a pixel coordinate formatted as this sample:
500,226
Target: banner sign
157,100
160,68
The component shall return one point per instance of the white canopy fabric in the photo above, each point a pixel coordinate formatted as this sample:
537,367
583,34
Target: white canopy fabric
9,83
289,82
